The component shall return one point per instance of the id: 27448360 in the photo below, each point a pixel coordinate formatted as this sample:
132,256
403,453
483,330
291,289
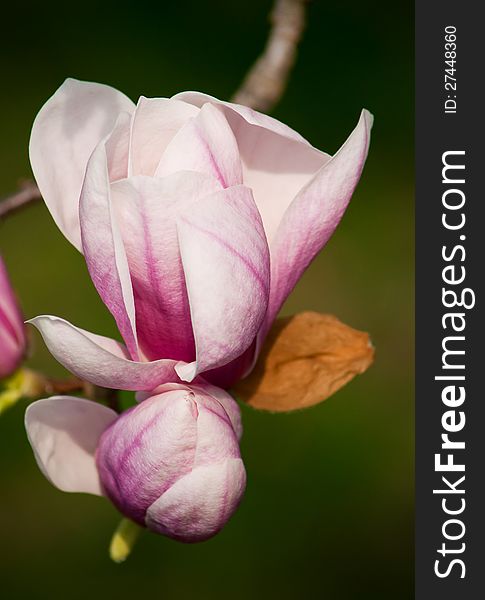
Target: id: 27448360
450,69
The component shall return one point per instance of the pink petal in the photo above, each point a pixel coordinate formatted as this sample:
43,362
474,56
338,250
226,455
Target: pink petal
64,432
314,214
10,352
103,247
224,377
226,263
277,162
204,144
227,402
155,123
199,504
100,360
147,449
216,439
147,209
11,321
64,134
202,388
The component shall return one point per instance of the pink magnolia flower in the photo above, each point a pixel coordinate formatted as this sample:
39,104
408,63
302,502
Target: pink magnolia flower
172,463
12,334
196,218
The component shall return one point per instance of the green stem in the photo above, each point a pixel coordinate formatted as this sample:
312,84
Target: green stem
8,398
123,540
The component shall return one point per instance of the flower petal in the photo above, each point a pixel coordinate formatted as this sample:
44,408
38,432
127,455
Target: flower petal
226,264
64,432
226,400
118,147
100,360
204,144
12,333
277,161
147,209
199,504
64,134
226,376
155,122
200,386
253,117
216,438
103,247
147,449
314,215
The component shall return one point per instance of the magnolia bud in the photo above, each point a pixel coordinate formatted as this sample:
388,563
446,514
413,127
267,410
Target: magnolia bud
173,463
12,334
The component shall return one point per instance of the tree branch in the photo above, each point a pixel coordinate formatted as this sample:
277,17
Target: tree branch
265,83
28,193
33,385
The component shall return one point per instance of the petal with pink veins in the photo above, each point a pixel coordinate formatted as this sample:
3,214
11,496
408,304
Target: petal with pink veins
147,209
277,162
64,432
314,215
147,449
11,321
103,247
205,144
225,257
226,400
64,134
198,504
100,360
200,386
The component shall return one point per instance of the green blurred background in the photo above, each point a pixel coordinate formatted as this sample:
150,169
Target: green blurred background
328,511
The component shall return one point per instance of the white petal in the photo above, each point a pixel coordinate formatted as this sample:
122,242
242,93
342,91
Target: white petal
65,132
64,432
100,360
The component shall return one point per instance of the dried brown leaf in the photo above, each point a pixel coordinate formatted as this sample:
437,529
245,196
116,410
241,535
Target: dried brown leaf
305,359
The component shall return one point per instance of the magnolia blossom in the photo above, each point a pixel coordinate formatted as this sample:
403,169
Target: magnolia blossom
196,218
12,335
171,463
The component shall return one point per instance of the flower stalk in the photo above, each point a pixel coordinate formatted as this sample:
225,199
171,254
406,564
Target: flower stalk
24,383
124,539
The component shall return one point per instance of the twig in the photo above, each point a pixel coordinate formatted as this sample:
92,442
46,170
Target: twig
107,396
64,386
75,385
32,385
28,194
265,83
